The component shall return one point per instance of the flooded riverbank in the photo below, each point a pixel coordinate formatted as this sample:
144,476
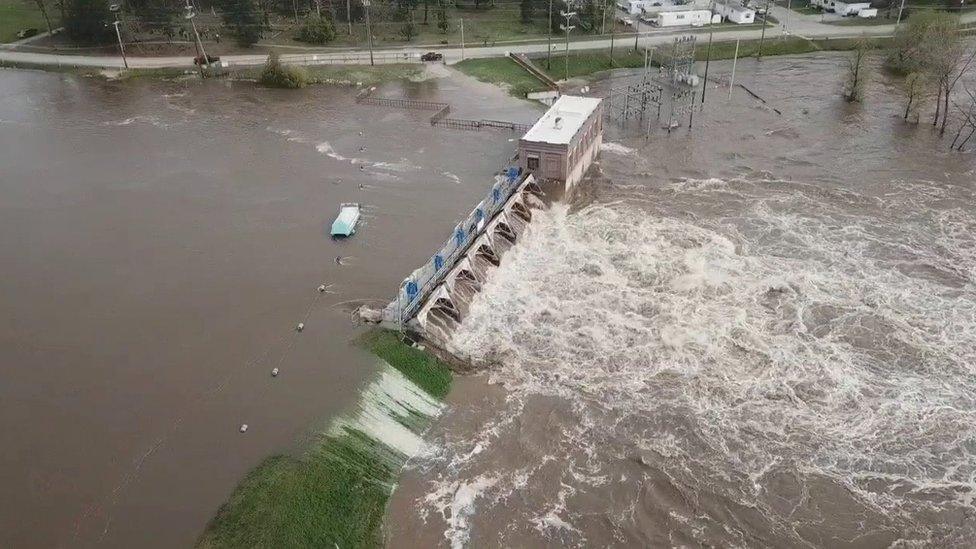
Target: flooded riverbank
161,239
756,333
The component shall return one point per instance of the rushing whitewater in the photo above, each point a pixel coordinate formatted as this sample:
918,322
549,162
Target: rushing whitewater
699,352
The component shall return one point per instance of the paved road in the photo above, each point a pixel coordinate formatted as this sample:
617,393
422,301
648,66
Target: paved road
800,25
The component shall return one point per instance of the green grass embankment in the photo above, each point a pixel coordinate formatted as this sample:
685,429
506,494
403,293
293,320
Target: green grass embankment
334,495
502,71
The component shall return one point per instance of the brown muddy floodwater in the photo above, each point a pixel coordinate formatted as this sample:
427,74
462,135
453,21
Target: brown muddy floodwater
159,242
759,333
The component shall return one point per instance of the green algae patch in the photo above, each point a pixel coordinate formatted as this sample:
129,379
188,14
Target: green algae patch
336,493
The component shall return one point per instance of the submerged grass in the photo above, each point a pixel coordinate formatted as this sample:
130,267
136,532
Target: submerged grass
590,62
505,72
335,494
420,367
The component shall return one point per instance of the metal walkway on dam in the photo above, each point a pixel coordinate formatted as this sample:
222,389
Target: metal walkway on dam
440,290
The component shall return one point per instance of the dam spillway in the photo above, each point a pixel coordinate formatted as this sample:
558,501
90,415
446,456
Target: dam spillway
553,155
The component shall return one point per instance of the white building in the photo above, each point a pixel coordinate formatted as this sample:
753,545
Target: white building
735,13
841,8
636,7
679,18
565,141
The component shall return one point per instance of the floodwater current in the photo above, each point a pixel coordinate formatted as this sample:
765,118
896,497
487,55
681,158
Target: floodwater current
159,242
757,333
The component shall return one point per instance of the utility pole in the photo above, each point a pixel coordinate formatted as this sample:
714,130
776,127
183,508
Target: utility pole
115,8
603,21
734,59
900,9
613,28
762,37
349,16
201,54
566,28
789,12
549,41
637,28
462,39
708,57
369,32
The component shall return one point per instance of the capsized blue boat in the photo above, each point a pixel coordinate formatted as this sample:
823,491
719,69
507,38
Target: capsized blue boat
345,223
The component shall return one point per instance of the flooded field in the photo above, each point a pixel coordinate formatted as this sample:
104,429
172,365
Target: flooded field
760,333
160,241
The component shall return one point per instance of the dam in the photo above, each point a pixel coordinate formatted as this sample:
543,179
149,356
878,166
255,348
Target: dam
551,158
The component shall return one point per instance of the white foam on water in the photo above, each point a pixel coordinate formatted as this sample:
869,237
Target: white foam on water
806,346
147,119
389,397
617,148
456,503
454,178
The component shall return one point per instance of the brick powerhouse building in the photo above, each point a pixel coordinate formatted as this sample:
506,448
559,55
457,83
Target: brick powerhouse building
565,141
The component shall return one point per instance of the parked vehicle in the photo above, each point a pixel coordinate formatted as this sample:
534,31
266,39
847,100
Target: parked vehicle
211,59
431,56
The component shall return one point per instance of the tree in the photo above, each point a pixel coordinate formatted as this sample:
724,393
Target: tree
278,75
244,19
441,16
968,112
87,21
855,72
316,30
914,93
525,10
47,20
408,30
154,15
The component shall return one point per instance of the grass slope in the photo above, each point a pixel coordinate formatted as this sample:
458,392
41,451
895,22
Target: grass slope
336,494
502,71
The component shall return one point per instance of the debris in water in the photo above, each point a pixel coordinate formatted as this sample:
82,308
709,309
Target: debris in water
274,372
321,288
300,327
338,260
244,427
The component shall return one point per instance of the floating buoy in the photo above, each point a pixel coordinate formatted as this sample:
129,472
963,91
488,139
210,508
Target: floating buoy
321,287
244,427
274,372
300,327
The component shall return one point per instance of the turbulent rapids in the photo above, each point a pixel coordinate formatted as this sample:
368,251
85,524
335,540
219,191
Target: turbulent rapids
747,378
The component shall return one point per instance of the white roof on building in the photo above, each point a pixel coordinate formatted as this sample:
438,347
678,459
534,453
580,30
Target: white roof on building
734,7
571,111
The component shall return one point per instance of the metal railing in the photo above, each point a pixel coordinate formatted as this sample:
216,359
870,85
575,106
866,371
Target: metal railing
417,287
350,58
